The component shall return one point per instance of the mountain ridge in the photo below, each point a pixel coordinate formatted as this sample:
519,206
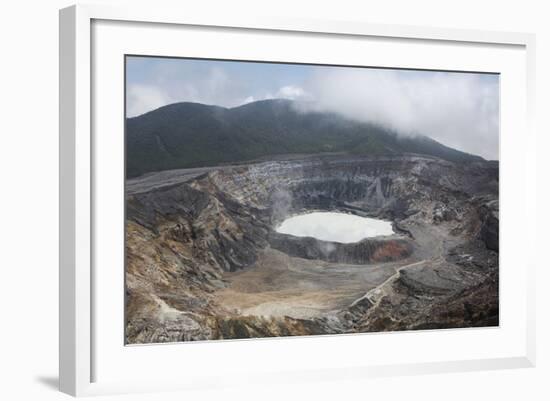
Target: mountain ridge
187,134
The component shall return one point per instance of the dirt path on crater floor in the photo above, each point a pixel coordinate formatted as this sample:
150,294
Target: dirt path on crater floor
281,285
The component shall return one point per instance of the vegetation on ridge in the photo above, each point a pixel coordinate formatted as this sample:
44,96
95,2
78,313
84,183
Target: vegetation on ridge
184,135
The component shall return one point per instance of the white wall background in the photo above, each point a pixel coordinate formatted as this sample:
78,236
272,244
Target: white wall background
29,214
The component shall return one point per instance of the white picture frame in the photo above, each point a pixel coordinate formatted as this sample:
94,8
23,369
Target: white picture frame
79,161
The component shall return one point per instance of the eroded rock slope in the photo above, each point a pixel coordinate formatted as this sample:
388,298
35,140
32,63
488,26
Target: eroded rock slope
204,261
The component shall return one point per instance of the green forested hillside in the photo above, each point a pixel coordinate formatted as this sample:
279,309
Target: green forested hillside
193,135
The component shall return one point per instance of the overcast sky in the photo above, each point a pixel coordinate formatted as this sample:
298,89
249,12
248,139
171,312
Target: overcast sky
460,110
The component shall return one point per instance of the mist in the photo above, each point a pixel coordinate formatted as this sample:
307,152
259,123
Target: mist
459,110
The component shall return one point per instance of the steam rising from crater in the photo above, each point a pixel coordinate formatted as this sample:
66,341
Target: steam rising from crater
281,201
334,227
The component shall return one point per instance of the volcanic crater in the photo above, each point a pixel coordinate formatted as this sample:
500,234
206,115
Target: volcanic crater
205,260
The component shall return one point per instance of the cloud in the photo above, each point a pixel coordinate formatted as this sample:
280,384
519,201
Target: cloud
143,98
459,110
181,82
291,92
248,99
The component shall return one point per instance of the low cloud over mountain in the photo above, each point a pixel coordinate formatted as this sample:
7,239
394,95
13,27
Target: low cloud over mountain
460,110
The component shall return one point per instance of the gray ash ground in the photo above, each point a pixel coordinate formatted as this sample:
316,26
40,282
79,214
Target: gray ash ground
204,261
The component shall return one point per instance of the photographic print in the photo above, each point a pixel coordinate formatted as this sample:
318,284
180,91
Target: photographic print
272,199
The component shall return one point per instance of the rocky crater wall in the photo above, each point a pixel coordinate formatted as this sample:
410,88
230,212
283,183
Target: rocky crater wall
228,214
361,253
185,237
